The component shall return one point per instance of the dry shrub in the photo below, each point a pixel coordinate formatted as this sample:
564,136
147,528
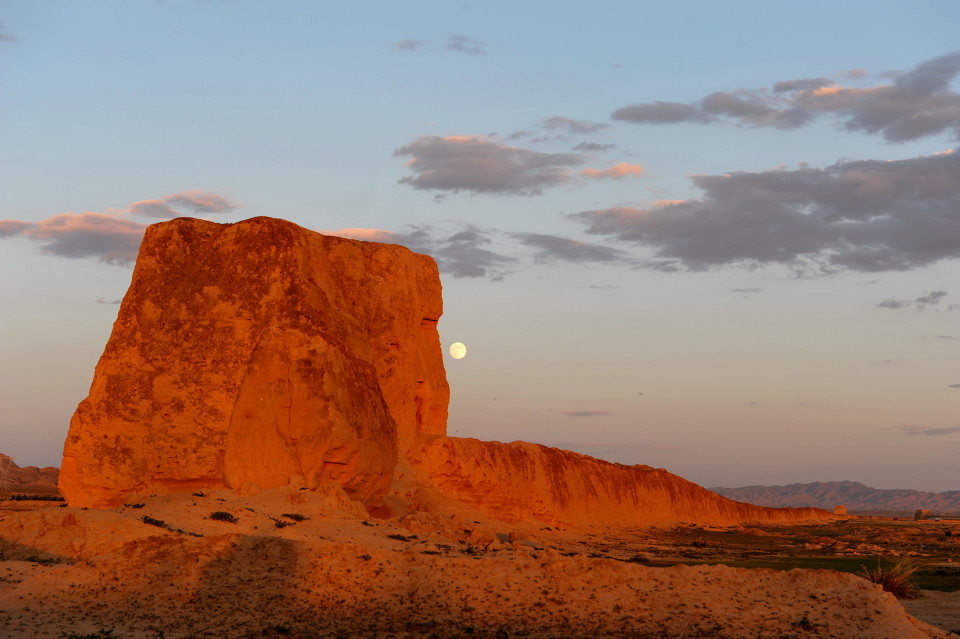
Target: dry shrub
896,577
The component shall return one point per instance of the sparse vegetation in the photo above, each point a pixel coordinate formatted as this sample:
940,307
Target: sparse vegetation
100,634
401,537
295,516
199,493
147,519
895,577
26,497
279,523
141,505
221,515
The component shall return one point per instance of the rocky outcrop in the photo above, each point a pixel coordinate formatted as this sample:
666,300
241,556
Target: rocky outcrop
260,354
245,355
14,479
529,482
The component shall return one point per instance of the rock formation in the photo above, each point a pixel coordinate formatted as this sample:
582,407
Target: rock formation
245,355
16,479
261,354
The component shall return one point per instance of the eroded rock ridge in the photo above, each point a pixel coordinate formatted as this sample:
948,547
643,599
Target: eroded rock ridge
260,354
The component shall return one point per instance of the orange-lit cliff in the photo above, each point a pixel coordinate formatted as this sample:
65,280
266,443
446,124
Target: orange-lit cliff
258,354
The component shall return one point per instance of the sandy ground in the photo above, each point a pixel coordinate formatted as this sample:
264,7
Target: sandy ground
338,573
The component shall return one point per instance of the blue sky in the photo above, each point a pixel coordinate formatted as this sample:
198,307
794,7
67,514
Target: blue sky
718,238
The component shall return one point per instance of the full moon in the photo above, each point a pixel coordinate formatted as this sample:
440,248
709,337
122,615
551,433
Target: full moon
458,350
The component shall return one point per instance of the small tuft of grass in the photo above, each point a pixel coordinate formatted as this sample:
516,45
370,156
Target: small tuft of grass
221,515
896,577
199,493
147,519
295,516
283,524
401,537
140,505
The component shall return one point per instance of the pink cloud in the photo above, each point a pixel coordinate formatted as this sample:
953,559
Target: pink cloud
616,172
193,202
369,235
108,237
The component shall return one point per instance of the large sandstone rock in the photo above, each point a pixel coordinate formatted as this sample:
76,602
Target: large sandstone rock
260,354
529,482
249,354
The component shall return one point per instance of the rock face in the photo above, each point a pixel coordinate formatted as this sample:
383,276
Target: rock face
245,355
260,354
529,482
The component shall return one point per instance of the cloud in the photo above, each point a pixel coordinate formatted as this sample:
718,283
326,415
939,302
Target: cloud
111,237
480,165
919,430
615,172
892,303
554,247
585,413
864,215
408,44
195,202
953,385
927,299
590,147
465,252
576,127
463,44
916,104
107,237
103,300
4,37
752,289
950,337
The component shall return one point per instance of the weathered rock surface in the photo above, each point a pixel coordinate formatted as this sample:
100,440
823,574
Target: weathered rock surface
529,482
245,355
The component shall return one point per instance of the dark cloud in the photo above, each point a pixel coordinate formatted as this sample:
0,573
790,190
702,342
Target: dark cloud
465,252
4,37
892,303
108,238
918,430
917,103
553,247
194,202
480,165
463,44
575,127
593,147
809,84
947,337
953,386
927,299
858,215
408,45
662,113
585,413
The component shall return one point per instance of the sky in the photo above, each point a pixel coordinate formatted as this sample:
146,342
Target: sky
718,238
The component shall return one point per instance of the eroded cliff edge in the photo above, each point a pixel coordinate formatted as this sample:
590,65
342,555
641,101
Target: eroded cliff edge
259,354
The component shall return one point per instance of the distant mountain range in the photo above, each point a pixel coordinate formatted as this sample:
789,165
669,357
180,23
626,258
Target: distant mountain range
852,494
14,479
